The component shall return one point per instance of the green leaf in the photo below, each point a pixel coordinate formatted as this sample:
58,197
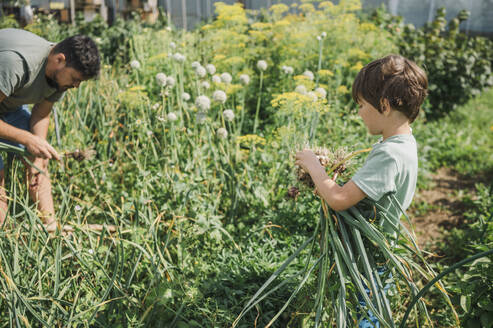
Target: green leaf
465,302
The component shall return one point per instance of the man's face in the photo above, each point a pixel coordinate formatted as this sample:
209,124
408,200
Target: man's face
65,78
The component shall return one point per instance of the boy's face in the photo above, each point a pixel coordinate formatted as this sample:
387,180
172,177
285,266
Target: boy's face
373,119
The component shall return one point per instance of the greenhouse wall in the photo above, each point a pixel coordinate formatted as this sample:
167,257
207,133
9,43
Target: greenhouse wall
189,13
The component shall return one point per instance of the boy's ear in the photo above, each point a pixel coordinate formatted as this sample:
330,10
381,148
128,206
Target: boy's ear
385,107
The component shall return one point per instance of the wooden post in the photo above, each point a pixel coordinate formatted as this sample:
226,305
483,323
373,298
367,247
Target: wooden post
72,12
184,13
168,11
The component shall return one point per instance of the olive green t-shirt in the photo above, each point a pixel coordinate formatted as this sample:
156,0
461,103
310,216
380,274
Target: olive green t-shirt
23,57
391,167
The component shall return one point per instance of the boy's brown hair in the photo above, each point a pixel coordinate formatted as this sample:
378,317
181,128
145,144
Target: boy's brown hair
395,78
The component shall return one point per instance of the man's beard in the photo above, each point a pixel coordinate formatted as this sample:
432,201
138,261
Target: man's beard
53,83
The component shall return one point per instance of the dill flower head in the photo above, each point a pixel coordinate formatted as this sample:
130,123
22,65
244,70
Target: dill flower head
170,81
327,159
204,84
287,69
309,75
211,69
244,79
161,79
203,103
226,78
172,117
219,96
216,79
179,57
195,64
229,115
200,71
321,92
185,96
222,133
135,64
300,89
262,65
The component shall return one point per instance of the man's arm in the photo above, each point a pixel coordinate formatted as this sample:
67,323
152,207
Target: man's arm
40,118
35,144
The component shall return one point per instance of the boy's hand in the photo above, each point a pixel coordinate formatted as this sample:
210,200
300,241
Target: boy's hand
308,161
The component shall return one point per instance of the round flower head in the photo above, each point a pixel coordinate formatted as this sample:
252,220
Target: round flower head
179,57
195,64
229,115
312,95
226,78
161,79
287,69
323,35
262,65
203,103
200,117
309,75
300,89
222,133
216,79
172,117
155,106
211,69
321,92
319,38
135,64
185,96
170,81
219,96
206,85
200,71
244,79
168,28
172,45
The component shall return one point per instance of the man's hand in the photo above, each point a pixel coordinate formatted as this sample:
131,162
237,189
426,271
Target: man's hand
39,147
308,161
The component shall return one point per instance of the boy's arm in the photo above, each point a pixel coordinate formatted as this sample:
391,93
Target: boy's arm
339,198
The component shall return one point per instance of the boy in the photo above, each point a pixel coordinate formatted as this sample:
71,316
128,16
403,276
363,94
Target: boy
35,71
389,92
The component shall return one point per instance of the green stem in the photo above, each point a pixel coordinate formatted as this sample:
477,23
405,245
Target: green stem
258,102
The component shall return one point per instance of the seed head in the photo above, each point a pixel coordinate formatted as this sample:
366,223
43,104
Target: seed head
229,115
161,79
226,78
216,79
262,65
179,57
195,64
211,69
222,133
300,89
309,75
244,79
287,70
206,85
172,117
185,96
200,71
203,103
135,64
219,96
170,81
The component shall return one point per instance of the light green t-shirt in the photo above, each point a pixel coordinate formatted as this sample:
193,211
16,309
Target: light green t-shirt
391,167
23,57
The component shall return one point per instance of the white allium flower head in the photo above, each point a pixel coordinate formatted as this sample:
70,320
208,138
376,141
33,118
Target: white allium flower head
200,71
229,115
195,64
149,133
309,74
322,93
319,38
91,251
206,85
185,96
135,64
287,69
161,79
262,65
219,96
172,117
300,89
160,118
324,34
179,57
170,81
244,79
155,106
222,133
203,103
200,117
216,79
312,95
211,69
172,45
226,78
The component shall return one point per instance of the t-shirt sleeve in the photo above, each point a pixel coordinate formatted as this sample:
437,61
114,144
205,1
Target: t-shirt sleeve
12,72
56,96
377,176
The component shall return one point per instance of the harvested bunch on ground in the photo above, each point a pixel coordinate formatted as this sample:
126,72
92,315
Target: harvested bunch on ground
81,155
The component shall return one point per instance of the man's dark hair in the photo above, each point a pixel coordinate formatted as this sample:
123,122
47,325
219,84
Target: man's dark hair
396,79
81,53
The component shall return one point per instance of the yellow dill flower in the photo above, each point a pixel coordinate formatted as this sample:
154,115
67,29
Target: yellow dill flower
282,23
342,89
259,35
357,67
250,140
325,4
357,53
158,56
279,9
232,88
219,57
325,73
234,61
368,27
307,8
491,128
261,26
137,88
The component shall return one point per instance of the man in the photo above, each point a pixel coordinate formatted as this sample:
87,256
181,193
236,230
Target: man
36,71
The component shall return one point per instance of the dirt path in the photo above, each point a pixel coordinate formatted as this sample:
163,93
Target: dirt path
440,208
